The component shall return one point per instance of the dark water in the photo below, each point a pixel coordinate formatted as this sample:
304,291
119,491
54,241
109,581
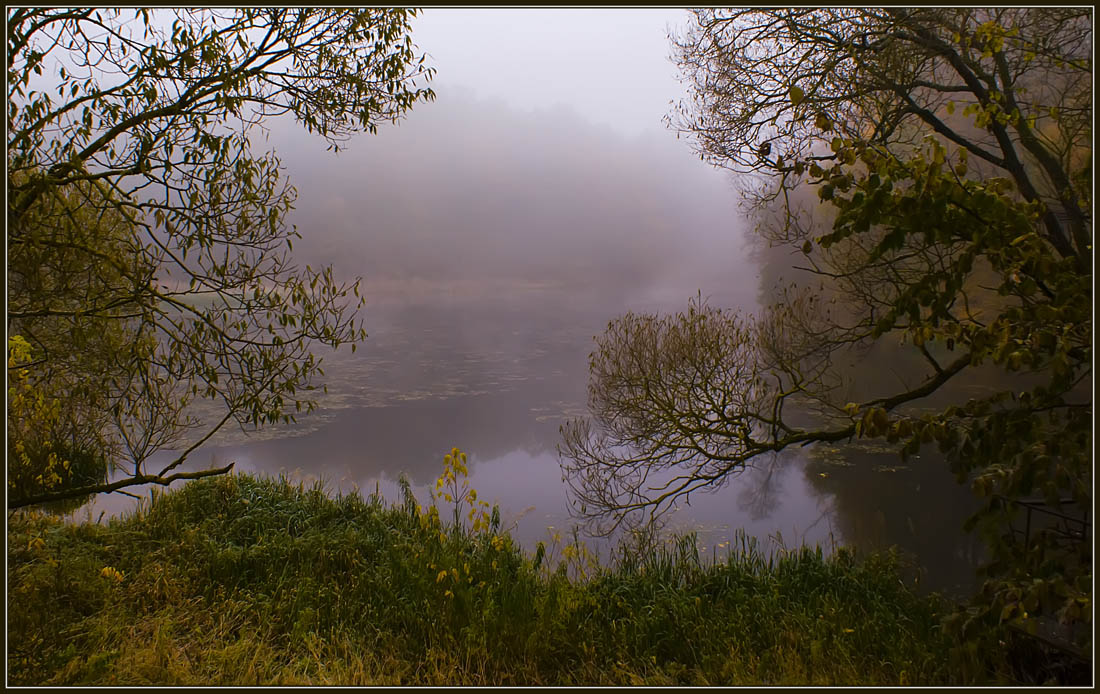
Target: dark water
496,374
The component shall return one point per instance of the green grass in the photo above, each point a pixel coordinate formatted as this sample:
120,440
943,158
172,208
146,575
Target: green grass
244,581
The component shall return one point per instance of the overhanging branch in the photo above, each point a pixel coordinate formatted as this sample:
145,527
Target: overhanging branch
115,486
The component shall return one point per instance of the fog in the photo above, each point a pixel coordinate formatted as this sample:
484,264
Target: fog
469,193
495,243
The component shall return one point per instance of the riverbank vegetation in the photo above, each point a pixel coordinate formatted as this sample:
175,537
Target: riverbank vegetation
151,271
240,580
930,169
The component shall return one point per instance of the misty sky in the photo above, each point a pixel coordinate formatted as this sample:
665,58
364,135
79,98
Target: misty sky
611,66
544,159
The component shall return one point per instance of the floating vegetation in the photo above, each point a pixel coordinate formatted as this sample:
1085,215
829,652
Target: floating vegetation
890,468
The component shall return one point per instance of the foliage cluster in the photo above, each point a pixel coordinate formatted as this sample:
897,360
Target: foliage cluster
454,486
73,344
951,147
40,456
150,261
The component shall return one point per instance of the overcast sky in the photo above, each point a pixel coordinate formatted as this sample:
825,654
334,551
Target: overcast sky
545,157
609,65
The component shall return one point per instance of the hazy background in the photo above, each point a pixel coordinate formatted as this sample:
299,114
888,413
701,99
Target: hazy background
543,161
467,189
610,66
497,231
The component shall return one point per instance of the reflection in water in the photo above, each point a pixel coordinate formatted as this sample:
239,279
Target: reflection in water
760,491
495,246
496,377
880,501
364,443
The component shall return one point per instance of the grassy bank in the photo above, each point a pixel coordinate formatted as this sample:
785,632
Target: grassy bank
239,580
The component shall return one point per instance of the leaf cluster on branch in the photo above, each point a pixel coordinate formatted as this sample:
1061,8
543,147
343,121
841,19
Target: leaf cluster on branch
150,261
950,152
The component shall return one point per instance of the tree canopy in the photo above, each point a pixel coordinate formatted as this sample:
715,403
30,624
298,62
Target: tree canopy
150,262
952,149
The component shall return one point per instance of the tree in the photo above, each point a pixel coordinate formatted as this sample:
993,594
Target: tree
43,453
1011,87
61,380
952,147
149,257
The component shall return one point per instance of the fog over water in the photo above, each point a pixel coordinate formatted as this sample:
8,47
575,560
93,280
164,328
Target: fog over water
494,243
470,190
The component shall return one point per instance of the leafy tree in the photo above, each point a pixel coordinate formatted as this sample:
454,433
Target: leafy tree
43,453
952,148
63,379
150,263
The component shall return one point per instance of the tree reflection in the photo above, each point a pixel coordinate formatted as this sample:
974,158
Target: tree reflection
763,485
879,502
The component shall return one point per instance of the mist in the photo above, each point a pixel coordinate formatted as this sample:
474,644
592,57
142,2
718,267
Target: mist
472,195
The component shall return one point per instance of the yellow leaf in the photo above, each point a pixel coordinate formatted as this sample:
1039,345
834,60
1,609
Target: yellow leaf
111,572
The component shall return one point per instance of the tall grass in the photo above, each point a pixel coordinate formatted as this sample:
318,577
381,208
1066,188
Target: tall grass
241,580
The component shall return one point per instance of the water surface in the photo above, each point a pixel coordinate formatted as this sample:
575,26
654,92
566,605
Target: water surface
497,374
495,245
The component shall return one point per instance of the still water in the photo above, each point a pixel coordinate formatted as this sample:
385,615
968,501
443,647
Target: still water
495,372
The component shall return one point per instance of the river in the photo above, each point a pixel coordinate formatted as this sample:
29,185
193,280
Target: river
495,244
495,373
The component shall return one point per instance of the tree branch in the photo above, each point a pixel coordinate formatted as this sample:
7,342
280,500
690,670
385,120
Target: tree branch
114,486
